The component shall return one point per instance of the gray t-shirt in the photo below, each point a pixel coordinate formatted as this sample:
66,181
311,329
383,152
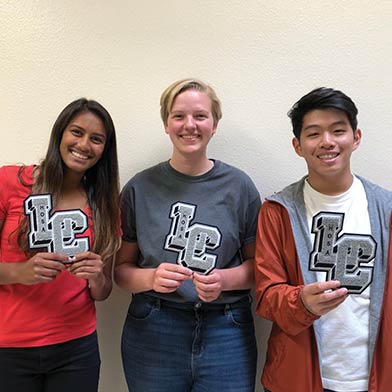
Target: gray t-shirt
200,222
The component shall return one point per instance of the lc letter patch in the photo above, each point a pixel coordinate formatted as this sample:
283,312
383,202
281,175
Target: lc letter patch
192,242
56,232
343,258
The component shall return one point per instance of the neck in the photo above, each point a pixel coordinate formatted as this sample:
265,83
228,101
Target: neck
73,194
331,187
72,180
191,167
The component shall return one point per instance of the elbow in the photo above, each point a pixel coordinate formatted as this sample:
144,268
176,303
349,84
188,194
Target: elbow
117,276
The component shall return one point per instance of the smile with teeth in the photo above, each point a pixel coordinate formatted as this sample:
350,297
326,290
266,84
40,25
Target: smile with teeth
190,137
78,155
328,156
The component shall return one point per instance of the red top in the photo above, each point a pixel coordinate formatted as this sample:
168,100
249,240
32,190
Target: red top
43,313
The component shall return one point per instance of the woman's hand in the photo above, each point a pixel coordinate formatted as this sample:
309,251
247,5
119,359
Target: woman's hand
168,277
209,287
43,267
87,265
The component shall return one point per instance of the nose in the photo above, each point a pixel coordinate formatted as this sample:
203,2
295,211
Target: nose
84,143
190,122
327,140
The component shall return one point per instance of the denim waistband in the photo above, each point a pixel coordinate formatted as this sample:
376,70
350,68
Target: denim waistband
206,306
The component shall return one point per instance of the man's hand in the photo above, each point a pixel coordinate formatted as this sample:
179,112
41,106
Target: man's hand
321,297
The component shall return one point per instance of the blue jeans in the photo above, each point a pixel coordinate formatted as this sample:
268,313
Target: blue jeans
174,347
325,390
72,366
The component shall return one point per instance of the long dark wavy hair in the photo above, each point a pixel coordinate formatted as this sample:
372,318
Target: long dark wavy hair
101,182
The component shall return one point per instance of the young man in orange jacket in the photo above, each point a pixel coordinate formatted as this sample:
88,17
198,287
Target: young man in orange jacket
322,271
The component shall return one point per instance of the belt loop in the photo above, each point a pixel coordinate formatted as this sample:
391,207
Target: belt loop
158,303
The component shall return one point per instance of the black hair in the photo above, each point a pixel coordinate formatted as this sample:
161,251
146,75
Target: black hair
322,98
101,181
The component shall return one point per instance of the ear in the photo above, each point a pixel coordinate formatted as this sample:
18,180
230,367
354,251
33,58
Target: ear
297,146
166,128
214,128
357,138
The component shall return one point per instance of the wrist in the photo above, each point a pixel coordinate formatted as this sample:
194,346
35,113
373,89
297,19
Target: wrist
305,306
149,279
98,281
15,273
223,277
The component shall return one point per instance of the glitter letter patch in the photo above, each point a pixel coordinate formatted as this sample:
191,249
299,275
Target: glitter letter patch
344,257
56,232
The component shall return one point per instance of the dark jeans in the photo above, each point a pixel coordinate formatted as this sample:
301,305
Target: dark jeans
174,347
65,367
325,390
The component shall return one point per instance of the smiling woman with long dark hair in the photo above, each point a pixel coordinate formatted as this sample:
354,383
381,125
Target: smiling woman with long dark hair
60,229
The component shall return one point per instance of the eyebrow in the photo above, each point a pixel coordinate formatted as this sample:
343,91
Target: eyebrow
331,125
74,125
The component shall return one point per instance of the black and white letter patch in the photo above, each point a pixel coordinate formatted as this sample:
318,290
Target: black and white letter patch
56,232
192,242
343,258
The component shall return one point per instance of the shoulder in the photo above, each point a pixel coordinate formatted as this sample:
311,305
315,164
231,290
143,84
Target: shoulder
10,170
372,188
235,175
230,169
16,174
275,214
240,182
289,194
15,184
144,176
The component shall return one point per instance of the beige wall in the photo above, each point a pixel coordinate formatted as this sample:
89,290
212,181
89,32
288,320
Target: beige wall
261,56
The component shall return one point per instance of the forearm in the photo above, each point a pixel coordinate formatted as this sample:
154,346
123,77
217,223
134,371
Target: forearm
134,279
282,304
101,285
277,299
238,278
9,273
277,272
100,288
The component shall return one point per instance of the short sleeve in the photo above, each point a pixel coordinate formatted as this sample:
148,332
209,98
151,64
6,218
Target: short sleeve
128,220
253,204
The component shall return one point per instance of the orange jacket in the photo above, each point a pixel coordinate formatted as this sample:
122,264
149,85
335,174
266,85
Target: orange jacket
292,358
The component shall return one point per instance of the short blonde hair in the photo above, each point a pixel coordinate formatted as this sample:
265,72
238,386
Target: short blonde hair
175,89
